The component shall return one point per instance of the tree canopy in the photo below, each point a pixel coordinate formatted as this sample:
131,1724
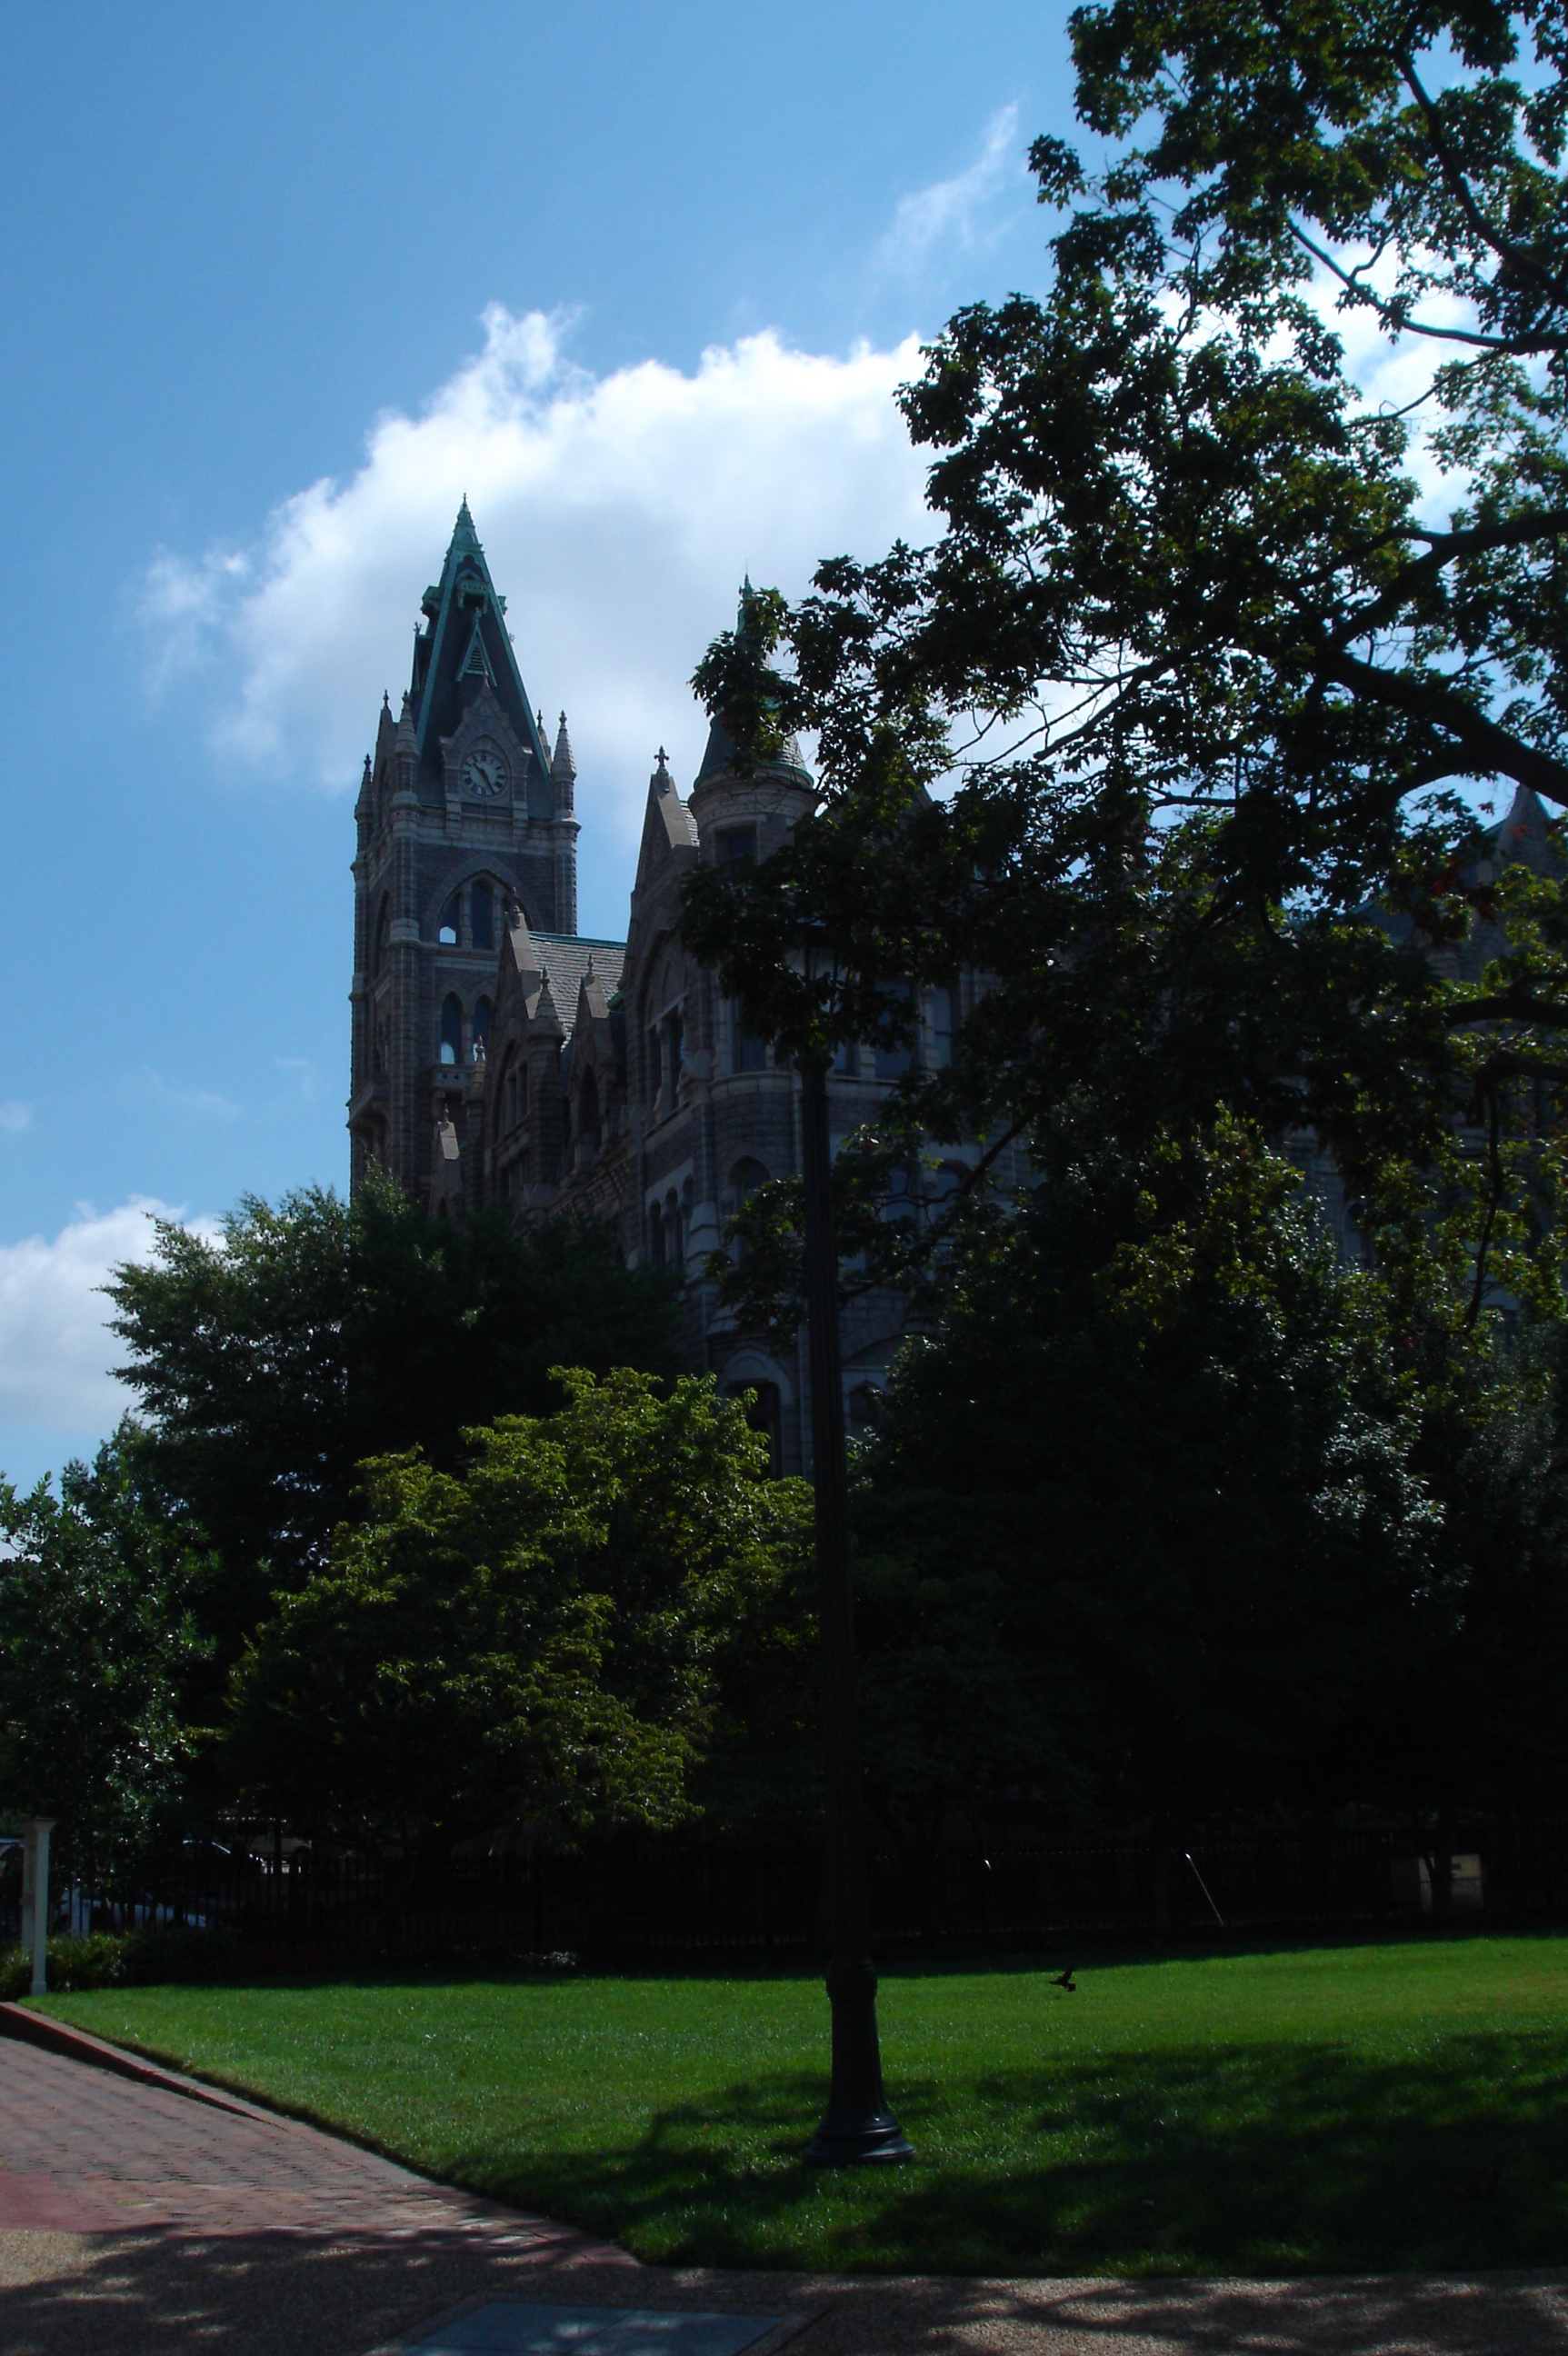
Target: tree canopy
313,1336
552,1635
1202,735
99,1642
1213,654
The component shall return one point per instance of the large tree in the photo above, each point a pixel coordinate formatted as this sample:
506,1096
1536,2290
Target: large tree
1209,647
99,1644
271,1362
558,1633
1182,732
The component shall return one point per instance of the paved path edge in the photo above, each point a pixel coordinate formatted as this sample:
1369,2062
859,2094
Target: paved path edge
78,2045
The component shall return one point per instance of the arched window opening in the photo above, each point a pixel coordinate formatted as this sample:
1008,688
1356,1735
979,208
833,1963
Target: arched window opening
675,1229
655,1235
764,1414
588,1112
745,1178
481,1032
451,1030
383,938
447,932
482,916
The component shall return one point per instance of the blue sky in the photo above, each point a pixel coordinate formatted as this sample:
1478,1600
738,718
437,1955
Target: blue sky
279,284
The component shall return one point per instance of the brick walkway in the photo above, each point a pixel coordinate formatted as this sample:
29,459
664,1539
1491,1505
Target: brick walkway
134,2218
83,2151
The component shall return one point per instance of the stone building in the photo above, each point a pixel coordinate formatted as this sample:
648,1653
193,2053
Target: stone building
498,1056
462,813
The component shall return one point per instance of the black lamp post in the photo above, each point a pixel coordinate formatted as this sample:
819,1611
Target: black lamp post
858,2124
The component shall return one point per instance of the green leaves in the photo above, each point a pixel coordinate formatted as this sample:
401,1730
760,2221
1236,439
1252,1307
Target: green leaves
1204,673
549,1636
318,1334
98,1643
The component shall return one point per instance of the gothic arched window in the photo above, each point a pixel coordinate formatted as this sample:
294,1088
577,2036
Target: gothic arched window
482,1030
447,932
383,934
451,1030
656,1235
482,916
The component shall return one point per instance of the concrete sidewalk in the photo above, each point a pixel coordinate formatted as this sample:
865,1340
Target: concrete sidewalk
134,2217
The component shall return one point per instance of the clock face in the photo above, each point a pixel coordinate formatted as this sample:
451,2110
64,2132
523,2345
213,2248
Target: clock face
484,772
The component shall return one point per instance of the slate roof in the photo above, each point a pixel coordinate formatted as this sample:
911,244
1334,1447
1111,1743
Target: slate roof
567,957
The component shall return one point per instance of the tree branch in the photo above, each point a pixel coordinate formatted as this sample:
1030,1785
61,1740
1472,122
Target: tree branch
1399,323
1426,699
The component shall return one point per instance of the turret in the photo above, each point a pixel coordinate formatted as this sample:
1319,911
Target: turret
563,769
770,795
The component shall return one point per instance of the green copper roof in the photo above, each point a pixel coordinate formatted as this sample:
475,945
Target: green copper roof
468,635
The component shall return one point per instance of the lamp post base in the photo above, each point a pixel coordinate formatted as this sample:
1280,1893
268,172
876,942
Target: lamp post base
857,2125
877,2139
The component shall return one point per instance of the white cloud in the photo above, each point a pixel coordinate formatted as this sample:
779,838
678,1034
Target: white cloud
55,1350
15,1115
959,214
619,514
152,1088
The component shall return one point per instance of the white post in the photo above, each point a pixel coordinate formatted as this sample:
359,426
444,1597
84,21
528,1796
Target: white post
36,1831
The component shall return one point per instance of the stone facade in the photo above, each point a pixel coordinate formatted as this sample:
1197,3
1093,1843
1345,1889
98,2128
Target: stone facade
462,813
546,1069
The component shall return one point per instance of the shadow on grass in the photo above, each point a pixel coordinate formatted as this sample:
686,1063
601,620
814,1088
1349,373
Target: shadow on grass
1239,2160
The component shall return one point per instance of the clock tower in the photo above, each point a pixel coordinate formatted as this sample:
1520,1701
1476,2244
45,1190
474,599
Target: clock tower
462,813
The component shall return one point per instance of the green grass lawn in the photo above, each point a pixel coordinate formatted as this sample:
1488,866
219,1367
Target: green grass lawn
1321,2108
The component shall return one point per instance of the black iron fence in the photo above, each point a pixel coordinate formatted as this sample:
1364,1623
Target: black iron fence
284,1897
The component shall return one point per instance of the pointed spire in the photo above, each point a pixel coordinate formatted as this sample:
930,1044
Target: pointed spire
562,765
